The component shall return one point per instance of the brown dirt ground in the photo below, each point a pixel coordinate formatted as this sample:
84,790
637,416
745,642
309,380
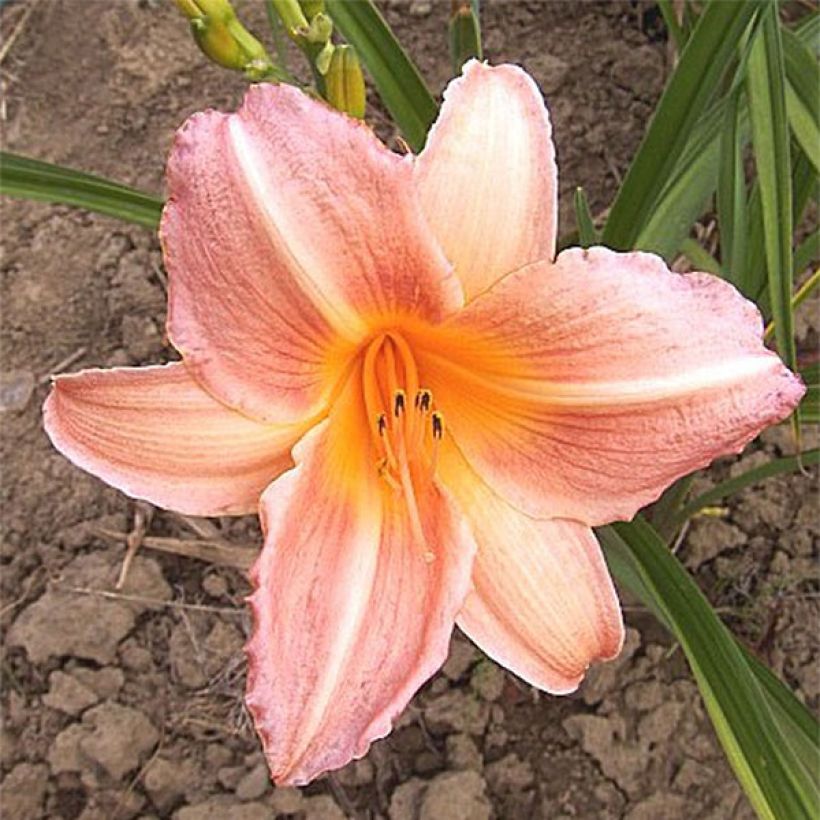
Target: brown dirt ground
127,706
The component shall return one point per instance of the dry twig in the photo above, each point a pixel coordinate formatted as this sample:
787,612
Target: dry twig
212,552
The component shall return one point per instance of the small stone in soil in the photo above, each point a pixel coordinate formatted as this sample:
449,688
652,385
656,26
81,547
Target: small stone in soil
406,799
119,739
488,680
88,627
455,796
462,656
166,781
16,387
215,585
510,775
22,791
254,784
358,773
67,694
463,753
225,808
457,711
322,807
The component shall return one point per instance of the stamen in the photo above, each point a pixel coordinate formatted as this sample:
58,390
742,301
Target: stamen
423,400
399,402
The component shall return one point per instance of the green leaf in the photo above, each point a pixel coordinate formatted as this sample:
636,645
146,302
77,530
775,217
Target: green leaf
726,489
808,251
688,191
587,235
770,136
769,739
674,28
809,408
802,293
708,53
802,100
731,189
808,30
700,258
398,81
33,179
753,280
464,32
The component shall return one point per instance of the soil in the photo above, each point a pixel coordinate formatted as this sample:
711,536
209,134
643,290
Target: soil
122,704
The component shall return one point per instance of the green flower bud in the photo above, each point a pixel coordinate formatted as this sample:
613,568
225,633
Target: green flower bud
223,39
344,82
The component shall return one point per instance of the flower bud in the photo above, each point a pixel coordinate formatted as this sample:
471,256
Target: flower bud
319,30
344,82
223,38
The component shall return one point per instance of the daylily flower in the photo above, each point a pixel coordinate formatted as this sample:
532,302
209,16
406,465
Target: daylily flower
433,408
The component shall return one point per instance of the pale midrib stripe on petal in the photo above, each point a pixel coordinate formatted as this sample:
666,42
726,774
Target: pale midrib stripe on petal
618,393
641,391
361,576
299,255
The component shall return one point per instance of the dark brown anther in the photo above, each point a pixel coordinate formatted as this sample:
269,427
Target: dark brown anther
398,403
423,400
381,424
438,425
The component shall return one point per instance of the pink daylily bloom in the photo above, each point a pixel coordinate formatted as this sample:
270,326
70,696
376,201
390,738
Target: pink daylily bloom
429,409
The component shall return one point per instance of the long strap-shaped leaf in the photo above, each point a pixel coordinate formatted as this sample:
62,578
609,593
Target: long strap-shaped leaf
802,100
708,52
33,179
397,79
769,738
770,136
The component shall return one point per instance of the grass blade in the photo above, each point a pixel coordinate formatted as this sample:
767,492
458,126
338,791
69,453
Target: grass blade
688,191
726,489
708,53
770,136
464,33
809,408
670,20
772,750
397,79
804,291
587,235
808,252
731,189
753,280
700,258
33,179
802,100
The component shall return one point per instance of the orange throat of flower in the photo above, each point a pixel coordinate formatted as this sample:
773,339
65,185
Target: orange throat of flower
404,426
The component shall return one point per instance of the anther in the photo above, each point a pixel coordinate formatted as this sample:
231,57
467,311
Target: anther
438,425
398,403
381,424
423,400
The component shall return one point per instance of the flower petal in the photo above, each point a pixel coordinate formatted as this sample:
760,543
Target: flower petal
351,616
155,434
543,604
290,226
487,177
582,389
